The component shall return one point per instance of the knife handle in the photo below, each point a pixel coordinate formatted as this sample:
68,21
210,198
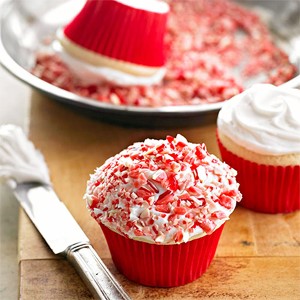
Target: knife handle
94,273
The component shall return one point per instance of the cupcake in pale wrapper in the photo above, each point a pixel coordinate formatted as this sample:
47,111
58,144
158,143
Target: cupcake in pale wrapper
259,136
120,40
162,205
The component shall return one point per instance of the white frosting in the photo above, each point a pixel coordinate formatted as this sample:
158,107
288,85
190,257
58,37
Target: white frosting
137,210
90,74
149,5
19,159
151,191
264,119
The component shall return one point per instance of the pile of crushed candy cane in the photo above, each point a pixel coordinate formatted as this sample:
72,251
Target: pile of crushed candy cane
213,49
163,191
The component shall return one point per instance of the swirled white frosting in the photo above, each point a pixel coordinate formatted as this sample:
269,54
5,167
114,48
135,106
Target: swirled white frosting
19,159
264,119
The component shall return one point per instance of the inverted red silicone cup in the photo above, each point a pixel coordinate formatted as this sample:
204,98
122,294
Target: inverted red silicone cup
266,189
162,265
117,30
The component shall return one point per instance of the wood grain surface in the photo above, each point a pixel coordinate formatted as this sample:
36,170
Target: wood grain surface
258,256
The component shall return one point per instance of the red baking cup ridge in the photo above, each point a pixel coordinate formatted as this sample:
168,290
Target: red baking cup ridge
162,265
118,31
266,189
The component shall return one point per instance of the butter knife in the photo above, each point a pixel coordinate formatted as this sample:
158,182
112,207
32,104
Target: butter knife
23,168
65,237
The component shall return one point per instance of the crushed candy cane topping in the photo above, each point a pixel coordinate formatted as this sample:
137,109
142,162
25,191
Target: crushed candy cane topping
163,191
215,49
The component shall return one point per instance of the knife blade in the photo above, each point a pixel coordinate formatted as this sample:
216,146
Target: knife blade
64,236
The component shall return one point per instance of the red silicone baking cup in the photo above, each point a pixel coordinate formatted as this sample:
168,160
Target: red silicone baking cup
162,265
266,189
118,31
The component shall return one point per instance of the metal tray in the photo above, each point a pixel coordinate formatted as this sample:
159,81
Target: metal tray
22,29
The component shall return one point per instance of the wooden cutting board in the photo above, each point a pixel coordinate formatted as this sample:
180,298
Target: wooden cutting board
258,256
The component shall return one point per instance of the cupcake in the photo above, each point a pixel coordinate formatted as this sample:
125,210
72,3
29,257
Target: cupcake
119,40
259,136
162,205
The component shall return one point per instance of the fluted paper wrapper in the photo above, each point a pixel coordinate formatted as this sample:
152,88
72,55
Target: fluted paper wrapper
162,265
118,31
265,188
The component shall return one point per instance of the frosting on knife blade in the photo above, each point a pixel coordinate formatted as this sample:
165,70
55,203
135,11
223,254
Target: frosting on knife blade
19,159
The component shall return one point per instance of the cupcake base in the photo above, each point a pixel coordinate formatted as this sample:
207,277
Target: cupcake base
265,188
162,265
